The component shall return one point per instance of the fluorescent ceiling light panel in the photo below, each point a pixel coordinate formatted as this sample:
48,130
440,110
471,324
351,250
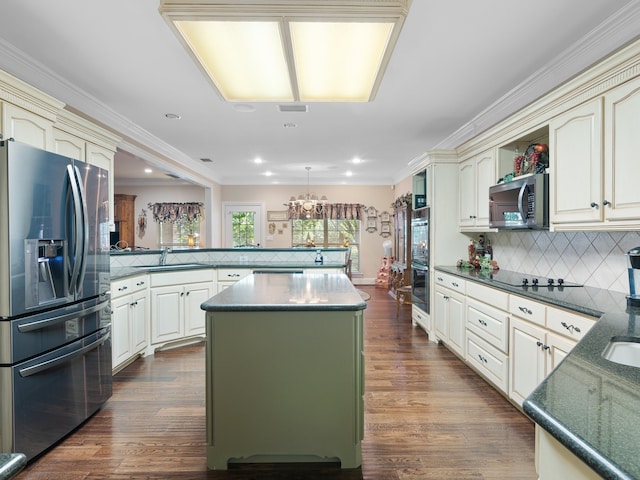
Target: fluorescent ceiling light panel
245,60
290,50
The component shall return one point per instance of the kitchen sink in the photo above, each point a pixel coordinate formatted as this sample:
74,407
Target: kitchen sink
623,350
179,266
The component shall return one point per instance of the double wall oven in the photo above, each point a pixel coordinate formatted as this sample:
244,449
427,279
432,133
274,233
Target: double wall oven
420,288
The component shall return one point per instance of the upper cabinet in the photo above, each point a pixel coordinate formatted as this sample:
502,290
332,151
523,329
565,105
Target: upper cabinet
32,117
476,175
576,164
595,169
26,127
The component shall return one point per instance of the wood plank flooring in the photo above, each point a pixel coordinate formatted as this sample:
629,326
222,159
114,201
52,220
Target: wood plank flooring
427,416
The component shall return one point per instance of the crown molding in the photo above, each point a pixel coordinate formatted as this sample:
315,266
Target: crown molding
613,34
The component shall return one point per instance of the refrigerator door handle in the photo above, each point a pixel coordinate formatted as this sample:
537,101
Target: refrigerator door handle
85,226
77,229
37,325
49,364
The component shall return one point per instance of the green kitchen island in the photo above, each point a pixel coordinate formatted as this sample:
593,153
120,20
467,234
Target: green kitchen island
285,371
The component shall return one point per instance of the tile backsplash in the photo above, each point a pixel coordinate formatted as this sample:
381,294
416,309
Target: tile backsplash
596,259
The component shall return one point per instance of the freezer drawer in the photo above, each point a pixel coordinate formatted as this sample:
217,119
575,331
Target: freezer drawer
47,397
27,337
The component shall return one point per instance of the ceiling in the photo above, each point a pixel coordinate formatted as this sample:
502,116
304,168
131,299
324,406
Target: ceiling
459,67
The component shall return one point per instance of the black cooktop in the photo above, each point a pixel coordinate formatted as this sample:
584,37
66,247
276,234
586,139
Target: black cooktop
516,279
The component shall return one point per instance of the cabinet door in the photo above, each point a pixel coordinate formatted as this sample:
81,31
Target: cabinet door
485,177
166,313
68,145
103,158
139,322
194,316
456,319
467,192
440,314
559,348
121,347
622,164
526,359
26,127
575,139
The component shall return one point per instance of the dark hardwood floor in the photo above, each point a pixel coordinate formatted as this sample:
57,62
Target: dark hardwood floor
427,416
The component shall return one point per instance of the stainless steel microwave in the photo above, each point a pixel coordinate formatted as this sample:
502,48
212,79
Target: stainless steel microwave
521,203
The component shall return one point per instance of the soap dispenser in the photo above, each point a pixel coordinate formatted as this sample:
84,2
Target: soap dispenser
633,266
319,258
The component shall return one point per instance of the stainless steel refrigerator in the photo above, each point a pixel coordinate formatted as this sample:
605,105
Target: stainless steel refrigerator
55,342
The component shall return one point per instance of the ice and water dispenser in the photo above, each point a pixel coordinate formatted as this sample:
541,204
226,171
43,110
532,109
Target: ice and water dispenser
45,271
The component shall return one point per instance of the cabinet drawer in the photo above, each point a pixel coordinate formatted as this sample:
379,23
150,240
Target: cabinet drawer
420,318
488,323
489,361
492,296
181,277
138,283
233,274
120,287
568,324
527,309
450,281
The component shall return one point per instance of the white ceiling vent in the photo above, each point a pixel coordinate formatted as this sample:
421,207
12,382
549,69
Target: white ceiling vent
294,108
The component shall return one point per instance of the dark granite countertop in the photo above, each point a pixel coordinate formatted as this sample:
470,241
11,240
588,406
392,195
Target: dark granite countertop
123,272
589,404
288,292
586,300
592,405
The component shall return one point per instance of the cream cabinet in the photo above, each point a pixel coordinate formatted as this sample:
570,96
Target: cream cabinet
576,163
229,276
26,127
449,313
487,323
175,304
594,162
476,175
622,167
541,337
130,319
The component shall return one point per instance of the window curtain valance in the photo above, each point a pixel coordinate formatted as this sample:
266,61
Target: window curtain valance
345,211
332,211
172,212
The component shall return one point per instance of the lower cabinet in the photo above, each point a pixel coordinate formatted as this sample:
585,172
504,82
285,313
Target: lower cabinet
229,276
175,304
130,320
450,318
488,334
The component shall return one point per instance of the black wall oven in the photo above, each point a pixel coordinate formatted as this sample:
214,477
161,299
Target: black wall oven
420,288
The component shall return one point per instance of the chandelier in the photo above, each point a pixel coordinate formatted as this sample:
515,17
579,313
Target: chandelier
307,205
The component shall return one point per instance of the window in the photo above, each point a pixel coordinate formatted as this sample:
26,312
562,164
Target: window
181,233
242,225
327,233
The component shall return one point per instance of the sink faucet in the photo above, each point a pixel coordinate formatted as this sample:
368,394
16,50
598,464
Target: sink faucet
163,256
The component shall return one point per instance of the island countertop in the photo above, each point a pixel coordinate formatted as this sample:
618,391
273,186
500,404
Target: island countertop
311,291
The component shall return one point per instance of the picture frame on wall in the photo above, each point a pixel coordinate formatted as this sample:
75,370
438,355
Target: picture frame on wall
277,215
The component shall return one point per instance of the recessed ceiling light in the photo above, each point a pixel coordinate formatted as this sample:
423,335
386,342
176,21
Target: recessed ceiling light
349,173
148,170
257,160
268,174
356,160
172,116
